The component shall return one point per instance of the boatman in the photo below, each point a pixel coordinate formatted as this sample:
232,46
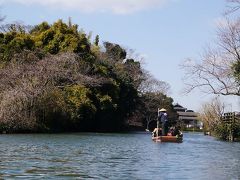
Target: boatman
162,116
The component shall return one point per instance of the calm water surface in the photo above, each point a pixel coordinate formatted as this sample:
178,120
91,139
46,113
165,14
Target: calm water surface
116,156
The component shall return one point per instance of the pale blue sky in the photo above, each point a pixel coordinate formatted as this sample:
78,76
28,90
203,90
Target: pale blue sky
165,32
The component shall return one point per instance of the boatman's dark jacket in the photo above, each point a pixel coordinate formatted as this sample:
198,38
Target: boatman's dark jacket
162,117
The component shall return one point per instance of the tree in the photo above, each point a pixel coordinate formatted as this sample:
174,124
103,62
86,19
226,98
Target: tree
151,84
153,95
218,71
115,51
53,39
219,67
234,5
150,103
211,114
125,75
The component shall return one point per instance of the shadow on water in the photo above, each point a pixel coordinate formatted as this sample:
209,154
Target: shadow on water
117,156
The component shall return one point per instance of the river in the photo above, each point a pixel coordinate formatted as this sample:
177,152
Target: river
116,156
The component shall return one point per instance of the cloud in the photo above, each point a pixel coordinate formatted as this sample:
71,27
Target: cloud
114,6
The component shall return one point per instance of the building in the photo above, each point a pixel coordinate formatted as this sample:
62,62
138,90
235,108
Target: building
187,118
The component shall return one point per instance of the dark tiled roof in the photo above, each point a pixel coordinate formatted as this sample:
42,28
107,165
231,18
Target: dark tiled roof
178,105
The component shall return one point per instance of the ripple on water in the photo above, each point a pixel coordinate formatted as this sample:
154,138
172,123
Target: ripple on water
116,156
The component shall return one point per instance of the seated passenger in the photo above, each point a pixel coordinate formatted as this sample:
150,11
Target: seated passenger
177,132
171,131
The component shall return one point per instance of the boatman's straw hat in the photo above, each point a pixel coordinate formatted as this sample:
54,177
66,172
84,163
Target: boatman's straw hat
162,110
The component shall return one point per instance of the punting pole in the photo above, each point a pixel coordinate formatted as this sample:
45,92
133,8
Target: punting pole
157,121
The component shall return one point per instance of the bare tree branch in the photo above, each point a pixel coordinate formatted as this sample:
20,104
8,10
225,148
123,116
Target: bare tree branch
214,73
233,6
150,84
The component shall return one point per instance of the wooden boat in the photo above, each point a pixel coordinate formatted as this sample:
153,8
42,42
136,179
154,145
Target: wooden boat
157,137
174,139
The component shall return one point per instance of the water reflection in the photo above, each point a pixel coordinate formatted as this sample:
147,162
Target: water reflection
116,156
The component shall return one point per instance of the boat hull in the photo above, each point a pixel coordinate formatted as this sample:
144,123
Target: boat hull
173,139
